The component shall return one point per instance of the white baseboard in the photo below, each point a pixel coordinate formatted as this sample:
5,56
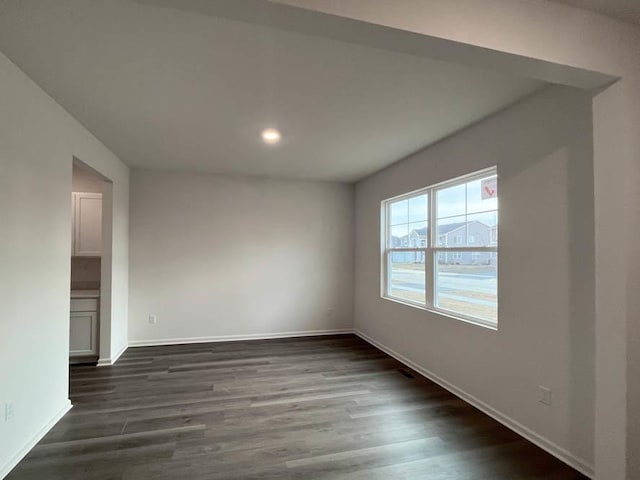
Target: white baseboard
103,362
234,338
6,469
567,457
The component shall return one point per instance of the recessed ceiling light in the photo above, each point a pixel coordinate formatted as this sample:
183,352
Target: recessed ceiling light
271,135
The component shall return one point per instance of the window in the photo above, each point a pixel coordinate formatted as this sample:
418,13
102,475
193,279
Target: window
441,248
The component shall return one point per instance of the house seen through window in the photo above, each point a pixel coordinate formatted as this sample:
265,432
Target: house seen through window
441,248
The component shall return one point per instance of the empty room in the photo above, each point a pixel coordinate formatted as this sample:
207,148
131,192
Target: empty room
317,239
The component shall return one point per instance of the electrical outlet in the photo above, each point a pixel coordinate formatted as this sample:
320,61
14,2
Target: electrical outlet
545,395
153,319
8,411
329,312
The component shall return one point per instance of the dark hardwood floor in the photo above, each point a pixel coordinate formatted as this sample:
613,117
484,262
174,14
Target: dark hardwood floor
305,408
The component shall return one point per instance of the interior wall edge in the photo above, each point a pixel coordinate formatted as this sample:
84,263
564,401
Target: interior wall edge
105,362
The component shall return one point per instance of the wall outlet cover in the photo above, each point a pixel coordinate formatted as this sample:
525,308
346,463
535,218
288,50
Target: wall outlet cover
545,395
8,411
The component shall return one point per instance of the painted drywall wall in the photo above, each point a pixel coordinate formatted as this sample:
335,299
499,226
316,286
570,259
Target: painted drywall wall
542,148
218,256
38,141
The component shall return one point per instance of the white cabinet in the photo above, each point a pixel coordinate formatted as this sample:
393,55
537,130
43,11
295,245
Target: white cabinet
82,337
83,327
87,225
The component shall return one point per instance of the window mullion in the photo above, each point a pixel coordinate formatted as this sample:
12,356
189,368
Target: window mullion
387,272
429,257
385,250
429,278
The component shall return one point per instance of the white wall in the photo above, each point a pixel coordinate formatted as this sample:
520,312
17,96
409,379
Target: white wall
216,256
38,141
542,148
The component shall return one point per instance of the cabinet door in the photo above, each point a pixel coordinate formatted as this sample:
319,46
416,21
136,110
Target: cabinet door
83,333
87,224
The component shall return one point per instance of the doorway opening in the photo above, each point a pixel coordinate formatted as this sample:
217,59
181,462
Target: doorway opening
90,286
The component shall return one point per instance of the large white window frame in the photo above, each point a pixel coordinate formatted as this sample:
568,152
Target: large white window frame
431,249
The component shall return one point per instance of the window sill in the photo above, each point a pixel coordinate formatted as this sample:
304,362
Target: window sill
444,313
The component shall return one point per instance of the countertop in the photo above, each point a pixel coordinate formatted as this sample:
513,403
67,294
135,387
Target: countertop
85,293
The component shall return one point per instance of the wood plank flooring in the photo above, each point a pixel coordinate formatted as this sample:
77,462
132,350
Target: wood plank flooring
307,408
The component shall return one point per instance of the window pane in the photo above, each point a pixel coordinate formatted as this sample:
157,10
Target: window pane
482,230
452,232
399,236
418,235
482,195
466,283
406,276
399,212
478,230
452,201
419,209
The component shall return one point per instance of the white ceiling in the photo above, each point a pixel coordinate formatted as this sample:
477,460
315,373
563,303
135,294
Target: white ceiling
174,89
625,10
